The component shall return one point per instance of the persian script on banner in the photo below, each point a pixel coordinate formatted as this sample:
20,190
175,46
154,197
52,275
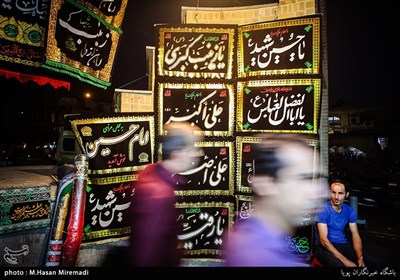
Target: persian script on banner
82,39
22,32
117,148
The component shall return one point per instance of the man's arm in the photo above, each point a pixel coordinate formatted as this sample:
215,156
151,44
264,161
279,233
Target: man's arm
323,237
357,243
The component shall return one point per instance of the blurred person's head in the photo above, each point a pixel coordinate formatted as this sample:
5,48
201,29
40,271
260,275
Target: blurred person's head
286,183
339,191
179,152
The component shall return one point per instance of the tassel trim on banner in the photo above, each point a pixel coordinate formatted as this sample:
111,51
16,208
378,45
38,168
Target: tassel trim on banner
40,80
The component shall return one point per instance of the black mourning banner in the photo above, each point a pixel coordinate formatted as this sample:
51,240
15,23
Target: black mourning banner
23,31
82,37
279,47
245,164
244,207
209,106
82,41
107,212
115,146
214,175
288,106
204,227
301,242
193,51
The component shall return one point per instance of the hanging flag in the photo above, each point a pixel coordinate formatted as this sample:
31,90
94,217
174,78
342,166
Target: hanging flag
22,32
82,40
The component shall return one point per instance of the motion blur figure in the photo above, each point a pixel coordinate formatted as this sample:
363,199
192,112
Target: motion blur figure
286,187
154,226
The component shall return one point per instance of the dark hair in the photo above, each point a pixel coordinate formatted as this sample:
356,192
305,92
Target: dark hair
267,161
173,141
340,181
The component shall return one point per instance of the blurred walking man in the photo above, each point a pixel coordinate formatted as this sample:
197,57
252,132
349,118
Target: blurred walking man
284,191
154,226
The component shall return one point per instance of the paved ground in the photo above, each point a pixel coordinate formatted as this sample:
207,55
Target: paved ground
26,176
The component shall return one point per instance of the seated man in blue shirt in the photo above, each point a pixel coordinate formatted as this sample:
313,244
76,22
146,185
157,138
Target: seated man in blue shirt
332,249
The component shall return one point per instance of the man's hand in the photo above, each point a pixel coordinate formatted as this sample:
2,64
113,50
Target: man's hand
360,262
349,263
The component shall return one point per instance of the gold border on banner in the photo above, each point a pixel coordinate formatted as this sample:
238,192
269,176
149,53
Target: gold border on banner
315,83
314,21
231,179
53,52
240,140
107,120
113,180
193,29
231,107
207,204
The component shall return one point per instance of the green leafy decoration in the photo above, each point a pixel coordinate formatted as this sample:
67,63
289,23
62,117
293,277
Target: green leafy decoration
5,220
5,207
309,126
309,89
308,28
87,229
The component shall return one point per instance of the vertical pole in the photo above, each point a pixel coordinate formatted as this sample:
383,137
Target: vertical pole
77,213
354,203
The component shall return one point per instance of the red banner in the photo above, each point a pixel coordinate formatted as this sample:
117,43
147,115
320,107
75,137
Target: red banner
40,80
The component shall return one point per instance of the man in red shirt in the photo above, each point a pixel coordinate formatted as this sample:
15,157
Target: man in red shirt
154,227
